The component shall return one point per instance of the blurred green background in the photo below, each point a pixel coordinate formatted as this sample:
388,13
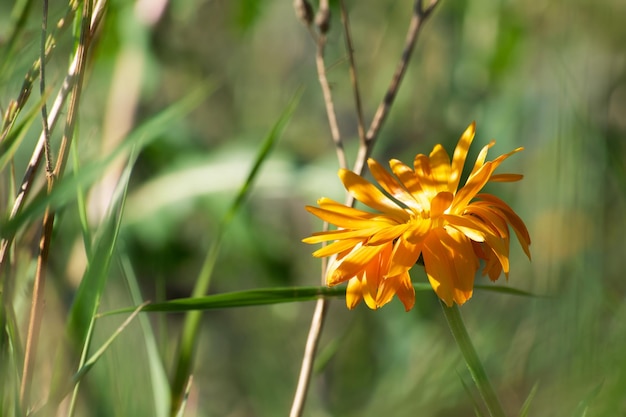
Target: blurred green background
549,76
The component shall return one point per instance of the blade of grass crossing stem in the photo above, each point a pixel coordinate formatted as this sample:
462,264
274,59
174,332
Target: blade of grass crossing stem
189,337
257,297
266,296
158,376
65,189
89,363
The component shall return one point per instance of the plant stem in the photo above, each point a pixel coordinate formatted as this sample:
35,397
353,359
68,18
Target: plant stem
475,366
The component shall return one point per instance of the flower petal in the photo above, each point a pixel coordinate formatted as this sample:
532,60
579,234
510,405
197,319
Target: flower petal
429,185
353,263
387,234
450,264
332,205
506,177
440,167
490,217
354,293
368,194
411,182
405,255
342,220
336,247
318,237
406,292
467,226
514,220
482,155
392,186
458,158
400,285
440,203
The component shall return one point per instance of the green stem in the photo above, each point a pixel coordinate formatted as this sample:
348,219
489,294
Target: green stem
457,327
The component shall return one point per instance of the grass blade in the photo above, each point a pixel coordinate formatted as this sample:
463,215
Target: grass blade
266,296
65,189
186,351
158,376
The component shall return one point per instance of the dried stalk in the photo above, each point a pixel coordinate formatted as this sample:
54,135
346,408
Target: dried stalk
16,105
328,102
37,303
353,76
55,112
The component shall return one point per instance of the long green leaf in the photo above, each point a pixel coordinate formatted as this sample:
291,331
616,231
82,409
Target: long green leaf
158,376
265,296
184,358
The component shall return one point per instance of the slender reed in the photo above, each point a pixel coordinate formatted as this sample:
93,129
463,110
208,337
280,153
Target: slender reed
37,302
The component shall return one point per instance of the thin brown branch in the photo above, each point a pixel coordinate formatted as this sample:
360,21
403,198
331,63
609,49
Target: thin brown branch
53,117
42,88
310,349
36,308
328,102
37,302
420,14
353,76
18,104
304,11
322,17
48,221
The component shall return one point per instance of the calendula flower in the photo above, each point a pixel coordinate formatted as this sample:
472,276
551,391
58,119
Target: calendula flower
420,211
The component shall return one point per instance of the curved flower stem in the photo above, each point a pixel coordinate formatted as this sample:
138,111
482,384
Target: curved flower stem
457,327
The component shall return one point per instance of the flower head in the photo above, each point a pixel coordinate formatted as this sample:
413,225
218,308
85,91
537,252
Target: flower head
420,211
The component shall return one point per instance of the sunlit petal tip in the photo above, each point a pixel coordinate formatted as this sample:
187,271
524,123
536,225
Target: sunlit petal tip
372,161
506,177
335,277
354,293
406,293
462,296
468,136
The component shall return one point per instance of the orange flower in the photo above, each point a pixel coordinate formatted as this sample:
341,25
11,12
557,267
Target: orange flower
420,211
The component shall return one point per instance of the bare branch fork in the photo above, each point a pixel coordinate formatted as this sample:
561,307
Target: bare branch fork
367,140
